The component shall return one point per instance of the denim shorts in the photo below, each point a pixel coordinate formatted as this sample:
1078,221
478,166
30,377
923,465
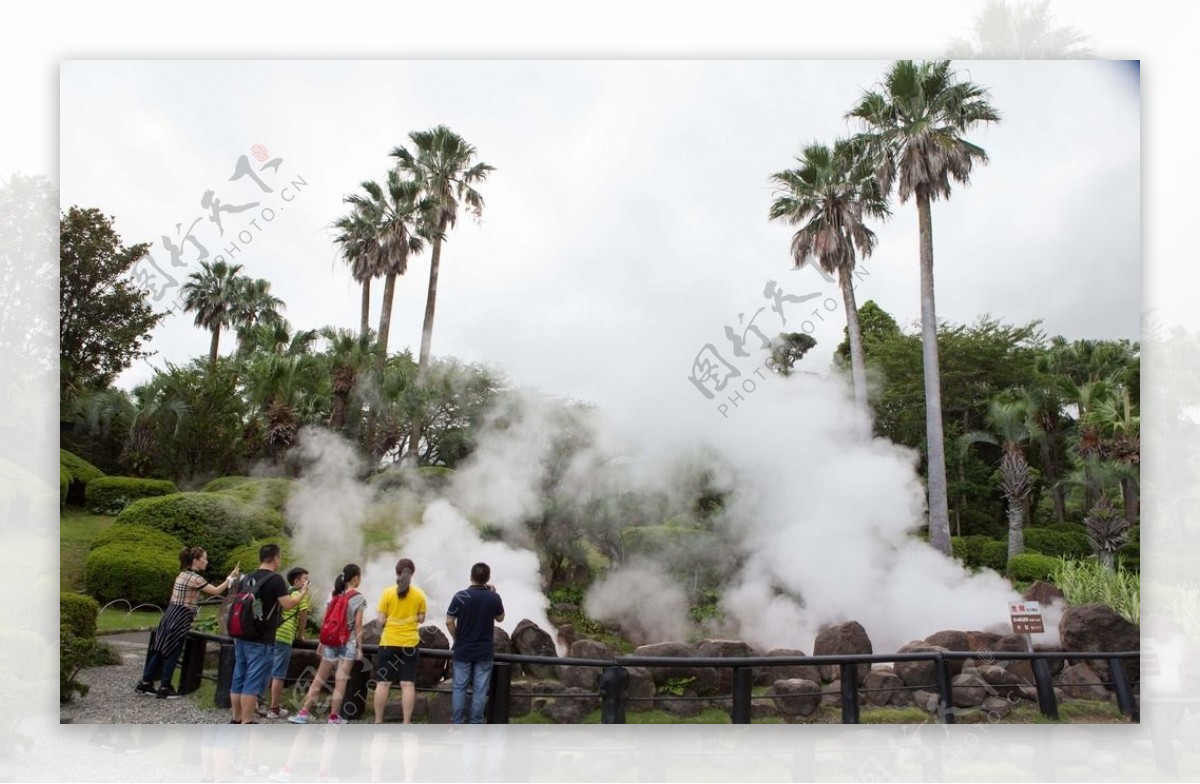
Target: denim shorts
347,652
252,667
283,655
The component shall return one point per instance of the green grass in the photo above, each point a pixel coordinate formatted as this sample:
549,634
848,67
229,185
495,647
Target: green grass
118,618
77,529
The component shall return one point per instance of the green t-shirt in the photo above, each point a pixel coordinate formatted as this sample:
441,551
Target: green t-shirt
286,632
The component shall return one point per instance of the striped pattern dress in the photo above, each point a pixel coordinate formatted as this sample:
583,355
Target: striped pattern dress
177,620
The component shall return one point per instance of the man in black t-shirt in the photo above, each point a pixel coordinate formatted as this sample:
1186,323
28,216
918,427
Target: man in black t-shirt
253,655
470,620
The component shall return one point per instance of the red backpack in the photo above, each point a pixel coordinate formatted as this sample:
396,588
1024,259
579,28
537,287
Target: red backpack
245,613
335,629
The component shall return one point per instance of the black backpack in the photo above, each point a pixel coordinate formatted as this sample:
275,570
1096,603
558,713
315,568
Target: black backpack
244,618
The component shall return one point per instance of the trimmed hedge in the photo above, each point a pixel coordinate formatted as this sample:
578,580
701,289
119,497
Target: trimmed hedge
111,494
213,521
247,556
224,483
78,613
64,484
1028,567
80,471
1057,543
142,574
969,549
136,537
994,555
269,493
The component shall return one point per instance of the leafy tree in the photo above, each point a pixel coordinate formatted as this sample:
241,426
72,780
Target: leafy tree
104,317
787,349
254,305
443,165
828,196
914,130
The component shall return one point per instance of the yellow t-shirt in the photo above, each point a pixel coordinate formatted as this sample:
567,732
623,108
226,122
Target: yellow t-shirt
403,625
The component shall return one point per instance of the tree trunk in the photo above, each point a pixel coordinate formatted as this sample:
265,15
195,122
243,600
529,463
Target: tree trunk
858,364
1129,498
414,436
1107,560
939,512
1056,492
385,328
1016,528
337,412
366,308
212,349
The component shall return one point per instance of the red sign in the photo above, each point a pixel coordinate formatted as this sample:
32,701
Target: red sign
1026,617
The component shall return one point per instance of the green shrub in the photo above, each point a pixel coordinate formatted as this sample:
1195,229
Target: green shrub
74,654
269,493
139,574
64,484
247,556
1028,567
78,613
993,554
224,483
1068,528
213,521
1059,544
651,540
1130,554
136,537
111,494
80,471
1087,581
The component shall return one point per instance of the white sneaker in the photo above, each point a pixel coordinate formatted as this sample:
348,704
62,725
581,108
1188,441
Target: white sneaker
278,713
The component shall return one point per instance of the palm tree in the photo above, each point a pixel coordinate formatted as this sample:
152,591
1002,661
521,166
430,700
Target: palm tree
1011,427
444,166
828,196
253,305
358,239
349,355
212,294
914,130
1120,427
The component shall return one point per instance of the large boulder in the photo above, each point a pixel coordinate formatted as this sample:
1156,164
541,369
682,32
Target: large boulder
809,672
920,674
641,689
884,687
529,639
572,708
501,642
431,671
580,676
1081,681
949,639
968,690
724,649
703,680
845,638
1043,593
1096,628
1002,680
796,696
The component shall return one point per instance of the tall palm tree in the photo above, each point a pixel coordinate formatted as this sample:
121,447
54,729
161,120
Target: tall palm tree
349,355
211,294
1011,427
254,304
828,196
358,238
914,129
444,166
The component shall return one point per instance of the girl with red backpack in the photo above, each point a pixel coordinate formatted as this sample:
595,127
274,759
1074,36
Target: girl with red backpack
340,643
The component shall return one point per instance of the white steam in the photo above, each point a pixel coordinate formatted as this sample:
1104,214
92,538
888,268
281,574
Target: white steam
646,605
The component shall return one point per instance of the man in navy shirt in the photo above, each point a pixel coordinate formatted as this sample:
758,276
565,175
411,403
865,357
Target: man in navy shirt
470,619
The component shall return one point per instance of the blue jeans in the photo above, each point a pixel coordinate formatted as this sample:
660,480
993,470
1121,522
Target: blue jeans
251,666
479,676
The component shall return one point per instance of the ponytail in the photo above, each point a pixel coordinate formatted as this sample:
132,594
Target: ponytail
188,555
349,572
404,572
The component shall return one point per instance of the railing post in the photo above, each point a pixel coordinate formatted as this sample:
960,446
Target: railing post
191,669
743,683
1045,688
849,693
225,662
498,693
354,701
941,676
614,691
1121,684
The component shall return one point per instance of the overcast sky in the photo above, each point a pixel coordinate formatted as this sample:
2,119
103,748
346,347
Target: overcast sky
625,224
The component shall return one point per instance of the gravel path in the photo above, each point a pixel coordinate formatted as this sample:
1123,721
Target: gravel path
112,700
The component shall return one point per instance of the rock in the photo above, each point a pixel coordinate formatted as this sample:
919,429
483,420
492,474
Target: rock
571,709
684,708
724,649
925,699
761,709
1043,593
845,638
881,687
641,689
566,635
529,639
950,640
796,696
1056,665
431,671
520,698
809,672
564,608
968,690
920,674
584,677
702,680
1095,627
996,708
501,641
831,693
1002,680
371,633
439,707
1078,681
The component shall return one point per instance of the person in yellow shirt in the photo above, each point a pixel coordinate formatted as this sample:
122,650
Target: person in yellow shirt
401,613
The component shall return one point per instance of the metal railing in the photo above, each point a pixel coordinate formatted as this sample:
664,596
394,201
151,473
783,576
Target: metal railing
614,679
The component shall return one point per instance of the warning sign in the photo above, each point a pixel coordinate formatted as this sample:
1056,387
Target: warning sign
1026,617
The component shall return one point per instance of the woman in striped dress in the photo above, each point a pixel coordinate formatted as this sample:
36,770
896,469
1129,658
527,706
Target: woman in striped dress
177,621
